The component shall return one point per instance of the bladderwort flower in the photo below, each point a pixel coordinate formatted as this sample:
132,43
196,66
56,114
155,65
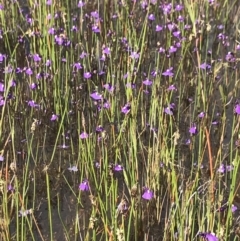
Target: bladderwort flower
225,168
168,72
205,66
1,158
201,115
172,49
33,104
147,82
208,236
151,17
80,4
109,87
2,88
158,28
193,130
29,71
134,55
126,108
83,55
118,168
169,110
172,88
96,96
87,75
77,66
237,108
147,194
84,186
83,135
2,57
106,50
95,29
37,58
33,86
54,117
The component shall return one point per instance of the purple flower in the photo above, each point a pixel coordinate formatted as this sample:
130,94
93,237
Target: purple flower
29,71
95,29
234,208
147,82
48,62
151,17
109,87
87,75
83,135
33,86
84,186
99,129
201,114
1,158
177,34
193,129
2,87
168,72
2,57
159,28
178,7
215,122
54,117
169,110
166,8
172,49
51,31
106,50
126,108
230,57
106,104
237,109
96,96
171,26
2,101
148,194
205,66
73,169
161,50
171,88
118,168
225,168
95,15
32,103
134,55
83,55
180,18
77,66
80,4
36,58
209,236
10,188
